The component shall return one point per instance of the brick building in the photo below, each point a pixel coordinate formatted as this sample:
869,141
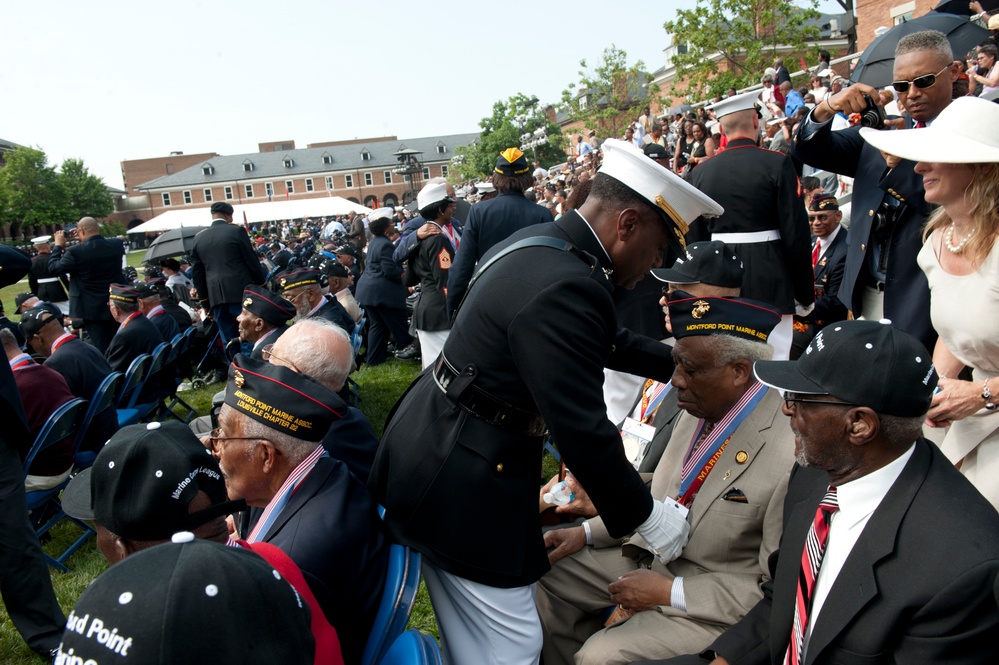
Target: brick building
365,171
874,14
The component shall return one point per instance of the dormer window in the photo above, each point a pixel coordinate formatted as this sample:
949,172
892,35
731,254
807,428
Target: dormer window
247,165
441,148
207,169
288,162
327,158
365,155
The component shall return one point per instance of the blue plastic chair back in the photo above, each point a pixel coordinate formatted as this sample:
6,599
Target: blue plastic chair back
134,377
103,398
59,426
411,648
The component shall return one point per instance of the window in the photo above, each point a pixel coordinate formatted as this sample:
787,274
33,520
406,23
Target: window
208,195
228,193
426,173
166,198
441,148
247,165
249,191
269,189
187,197
327,158
207,169
368,181
365,155
329,182
388,177
902,18
348,180
169,169
308,185
288,162
444,170
289,186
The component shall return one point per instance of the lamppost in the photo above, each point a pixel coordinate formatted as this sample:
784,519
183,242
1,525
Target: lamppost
530,136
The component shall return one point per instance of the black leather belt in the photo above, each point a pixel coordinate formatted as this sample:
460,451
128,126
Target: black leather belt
484,406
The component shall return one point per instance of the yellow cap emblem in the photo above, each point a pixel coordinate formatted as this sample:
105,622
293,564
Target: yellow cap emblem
512,154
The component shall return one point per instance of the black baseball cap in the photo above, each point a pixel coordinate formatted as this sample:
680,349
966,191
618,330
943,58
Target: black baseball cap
655,151
34,318
181,602
897,378
21,298
143,481
709,262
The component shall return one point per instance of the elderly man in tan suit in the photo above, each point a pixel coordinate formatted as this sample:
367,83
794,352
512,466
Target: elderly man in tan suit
726,466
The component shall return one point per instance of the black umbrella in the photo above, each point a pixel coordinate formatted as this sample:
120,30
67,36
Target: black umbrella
962,8
874,67
682,108
174,242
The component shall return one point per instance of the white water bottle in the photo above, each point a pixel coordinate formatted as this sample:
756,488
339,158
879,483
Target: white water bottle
559,495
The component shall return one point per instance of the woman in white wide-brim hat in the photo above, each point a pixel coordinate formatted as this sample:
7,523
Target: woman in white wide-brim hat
958,157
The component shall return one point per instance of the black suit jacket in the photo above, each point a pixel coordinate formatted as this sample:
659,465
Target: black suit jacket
381,283
166,325
353,441
537,329
93,265
47,291
331,530
918,586
907,294
489,222
760,192
84,368
333,311
828,278
223,263
139,336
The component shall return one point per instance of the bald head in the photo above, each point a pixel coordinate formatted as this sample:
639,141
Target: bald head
89,226
317,348
741,125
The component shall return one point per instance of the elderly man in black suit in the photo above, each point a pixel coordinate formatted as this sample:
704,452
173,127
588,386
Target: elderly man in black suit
136,335
492,221
93,265
881,278
223,263
302,500
81,364
302,289
264,318
889,555
828,261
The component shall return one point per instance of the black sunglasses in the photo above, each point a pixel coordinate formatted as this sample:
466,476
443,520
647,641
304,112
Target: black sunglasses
921,82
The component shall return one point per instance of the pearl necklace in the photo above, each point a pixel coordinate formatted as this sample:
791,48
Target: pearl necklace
956,249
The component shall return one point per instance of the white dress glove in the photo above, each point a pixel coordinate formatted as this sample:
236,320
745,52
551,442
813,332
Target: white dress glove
666,531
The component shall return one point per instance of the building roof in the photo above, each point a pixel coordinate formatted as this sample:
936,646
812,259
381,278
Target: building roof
7,145
308,161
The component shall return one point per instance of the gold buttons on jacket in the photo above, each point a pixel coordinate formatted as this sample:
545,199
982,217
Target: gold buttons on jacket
863,247
499,468
870,213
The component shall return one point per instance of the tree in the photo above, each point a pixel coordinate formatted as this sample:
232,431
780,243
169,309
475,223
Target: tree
30,190
729,43
509,124
86,194
113,229
611,95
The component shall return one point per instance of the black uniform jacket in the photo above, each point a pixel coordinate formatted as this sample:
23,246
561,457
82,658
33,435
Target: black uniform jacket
537,329
93,265
223,263
828,278
760,192
432,262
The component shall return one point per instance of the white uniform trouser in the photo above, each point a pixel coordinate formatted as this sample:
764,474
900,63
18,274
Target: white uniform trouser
872,305
780,338
482,624
620,393
431,344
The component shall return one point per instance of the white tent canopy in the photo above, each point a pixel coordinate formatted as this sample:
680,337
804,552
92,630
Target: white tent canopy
324,206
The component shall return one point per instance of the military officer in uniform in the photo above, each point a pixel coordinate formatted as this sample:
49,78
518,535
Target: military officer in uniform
431,264
458,465
764,221
44,284
223,263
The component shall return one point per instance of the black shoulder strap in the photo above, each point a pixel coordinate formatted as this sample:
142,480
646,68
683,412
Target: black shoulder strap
538,241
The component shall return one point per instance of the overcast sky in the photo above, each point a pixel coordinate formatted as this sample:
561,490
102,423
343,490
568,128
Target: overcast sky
112,80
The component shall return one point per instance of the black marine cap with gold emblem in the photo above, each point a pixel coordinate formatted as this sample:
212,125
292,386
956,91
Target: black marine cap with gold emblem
822,202
512,162
123,293
739,317
299,278
282,399
268,305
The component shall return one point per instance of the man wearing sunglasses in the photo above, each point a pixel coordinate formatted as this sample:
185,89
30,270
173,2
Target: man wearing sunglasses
881,278
828,261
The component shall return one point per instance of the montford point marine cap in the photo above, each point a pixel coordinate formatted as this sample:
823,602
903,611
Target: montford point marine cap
170,603
734,104
143,480
901,385
708,262
282,399
512,162
382,213
679,202
739,317
822,202
432,193
303,277
37,316
655,151
268,305
222,207
123,293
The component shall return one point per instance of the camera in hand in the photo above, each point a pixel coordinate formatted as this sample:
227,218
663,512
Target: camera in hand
873,115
